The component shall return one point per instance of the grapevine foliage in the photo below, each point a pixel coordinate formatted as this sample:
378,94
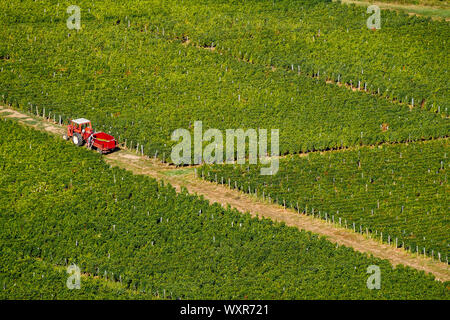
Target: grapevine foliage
128,71
392,191
63,205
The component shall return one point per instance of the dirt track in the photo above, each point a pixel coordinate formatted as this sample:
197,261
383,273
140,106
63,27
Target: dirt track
182,177
434,12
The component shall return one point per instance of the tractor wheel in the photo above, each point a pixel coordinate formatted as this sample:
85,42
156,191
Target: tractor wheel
65,137
77,139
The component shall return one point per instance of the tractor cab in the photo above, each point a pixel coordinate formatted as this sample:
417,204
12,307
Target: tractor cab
81,126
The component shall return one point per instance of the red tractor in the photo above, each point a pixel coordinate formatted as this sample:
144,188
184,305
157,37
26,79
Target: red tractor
81,131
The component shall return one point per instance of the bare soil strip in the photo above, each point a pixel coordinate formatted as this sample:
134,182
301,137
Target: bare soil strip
434,12
32,121
185,177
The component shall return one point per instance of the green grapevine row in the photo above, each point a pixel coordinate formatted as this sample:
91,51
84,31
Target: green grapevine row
406,59
398,193
30,278
63,205
137,85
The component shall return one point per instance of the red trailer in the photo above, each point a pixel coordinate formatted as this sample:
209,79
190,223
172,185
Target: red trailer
80,131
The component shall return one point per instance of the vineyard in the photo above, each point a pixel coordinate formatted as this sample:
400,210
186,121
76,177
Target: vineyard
115,75
363,119
397,193
309,36
49,282
401,61
145,236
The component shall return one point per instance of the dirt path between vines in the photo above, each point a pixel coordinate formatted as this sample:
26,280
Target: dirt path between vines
185,177
434,12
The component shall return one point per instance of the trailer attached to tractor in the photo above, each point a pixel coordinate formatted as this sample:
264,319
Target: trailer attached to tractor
80,131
